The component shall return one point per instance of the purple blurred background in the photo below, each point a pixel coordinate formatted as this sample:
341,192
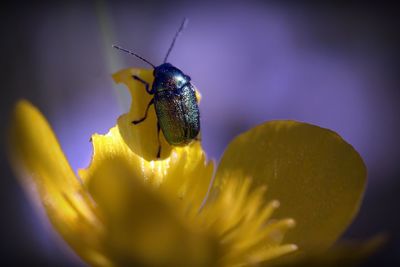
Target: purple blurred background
334,65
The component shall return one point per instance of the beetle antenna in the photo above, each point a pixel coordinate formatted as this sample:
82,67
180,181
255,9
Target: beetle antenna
133,54
183,25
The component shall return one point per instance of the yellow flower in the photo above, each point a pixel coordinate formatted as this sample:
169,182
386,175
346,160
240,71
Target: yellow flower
128,209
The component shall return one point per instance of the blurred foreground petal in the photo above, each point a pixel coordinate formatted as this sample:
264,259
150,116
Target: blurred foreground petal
144,228
44,171
318,177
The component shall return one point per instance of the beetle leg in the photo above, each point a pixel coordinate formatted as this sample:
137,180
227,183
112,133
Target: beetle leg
146,84
145,114
198,138
158,138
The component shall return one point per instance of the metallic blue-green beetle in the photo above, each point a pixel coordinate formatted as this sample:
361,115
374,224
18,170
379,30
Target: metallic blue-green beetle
174,101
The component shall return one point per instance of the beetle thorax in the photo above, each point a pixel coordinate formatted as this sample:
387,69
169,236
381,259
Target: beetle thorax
168,77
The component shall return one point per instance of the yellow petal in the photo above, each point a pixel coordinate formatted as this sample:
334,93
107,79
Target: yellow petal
318,178
346,253
44,171
143,227
141,138
183,172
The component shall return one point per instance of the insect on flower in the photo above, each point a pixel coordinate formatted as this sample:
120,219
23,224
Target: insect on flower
174,100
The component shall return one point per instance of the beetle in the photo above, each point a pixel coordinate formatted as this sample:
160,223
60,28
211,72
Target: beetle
174,100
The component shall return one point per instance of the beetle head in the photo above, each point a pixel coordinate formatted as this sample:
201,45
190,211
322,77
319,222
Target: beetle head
168,71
